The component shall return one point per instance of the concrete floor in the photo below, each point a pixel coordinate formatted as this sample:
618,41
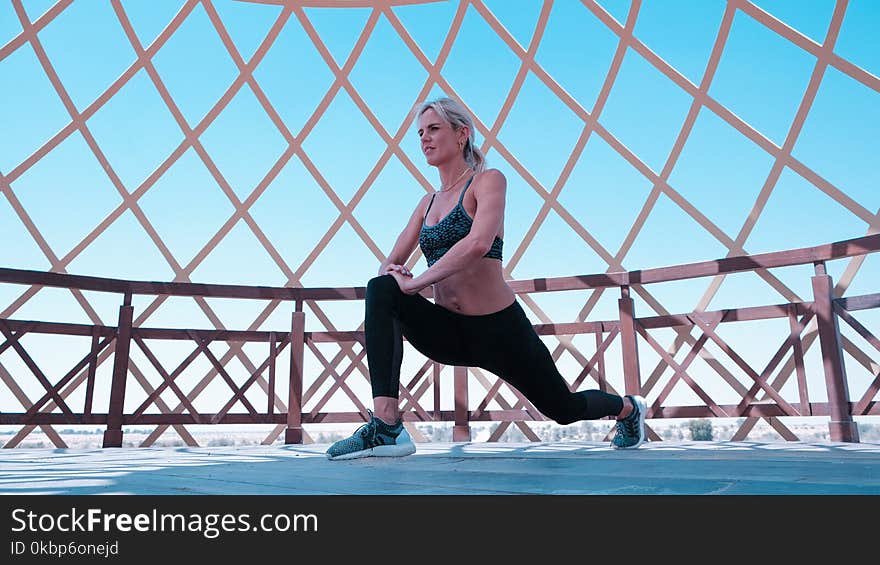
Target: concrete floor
659,468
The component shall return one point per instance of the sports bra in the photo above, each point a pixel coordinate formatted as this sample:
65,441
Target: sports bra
436,240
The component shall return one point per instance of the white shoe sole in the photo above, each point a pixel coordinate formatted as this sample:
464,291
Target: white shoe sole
402,447
643,407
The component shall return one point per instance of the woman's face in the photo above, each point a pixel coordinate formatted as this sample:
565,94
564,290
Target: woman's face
440,143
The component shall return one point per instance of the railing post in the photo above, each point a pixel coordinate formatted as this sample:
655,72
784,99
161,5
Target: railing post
90,376
294,432
629,346
841,427
113,433
461,431
436,383
270,394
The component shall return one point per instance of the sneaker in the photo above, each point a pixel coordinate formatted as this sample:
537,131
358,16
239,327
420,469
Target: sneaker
631,430
374,439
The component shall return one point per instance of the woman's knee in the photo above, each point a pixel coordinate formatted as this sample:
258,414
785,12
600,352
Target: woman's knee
382,288
382,284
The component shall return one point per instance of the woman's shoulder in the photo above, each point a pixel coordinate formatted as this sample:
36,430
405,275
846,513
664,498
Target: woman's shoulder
492,179
490,175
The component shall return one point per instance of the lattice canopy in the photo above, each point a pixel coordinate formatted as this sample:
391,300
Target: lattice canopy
270,142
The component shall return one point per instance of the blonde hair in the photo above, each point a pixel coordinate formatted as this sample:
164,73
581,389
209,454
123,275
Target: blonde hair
457,116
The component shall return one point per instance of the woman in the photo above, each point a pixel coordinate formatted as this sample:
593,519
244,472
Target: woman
475,319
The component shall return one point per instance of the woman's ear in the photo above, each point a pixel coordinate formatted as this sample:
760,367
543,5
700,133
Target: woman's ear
465,133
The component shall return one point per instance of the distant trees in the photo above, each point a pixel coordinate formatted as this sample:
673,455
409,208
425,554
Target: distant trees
701,430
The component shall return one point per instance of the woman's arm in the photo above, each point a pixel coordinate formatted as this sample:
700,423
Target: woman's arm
408,238
490,191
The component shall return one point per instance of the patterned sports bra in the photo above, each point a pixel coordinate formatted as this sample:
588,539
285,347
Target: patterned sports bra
436,240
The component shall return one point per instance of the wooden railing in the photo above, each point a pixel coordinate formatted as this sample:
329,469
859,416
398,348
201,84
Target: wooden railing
822,316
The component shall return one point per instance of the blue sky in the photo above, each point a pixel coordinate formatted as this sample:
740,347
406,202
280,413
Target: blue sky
761,78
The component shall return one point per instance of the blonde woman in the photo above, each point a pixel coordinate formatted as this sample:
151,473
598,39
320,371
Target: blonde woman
475,319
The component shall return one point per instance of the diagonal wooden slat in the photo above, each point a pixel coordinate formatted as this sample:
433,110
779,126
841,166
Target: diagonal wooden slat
167,379
202,344
68,377
20,395
790,342
760,380
34,368
339,381
680,372
255,375
863,405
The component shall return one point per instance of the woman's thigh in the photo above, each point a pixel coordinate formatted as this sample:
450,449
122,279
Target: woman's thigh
509,347
432,330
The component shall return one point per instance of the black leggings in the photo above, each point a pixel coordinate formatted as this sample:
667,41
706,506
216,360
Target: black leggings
503,343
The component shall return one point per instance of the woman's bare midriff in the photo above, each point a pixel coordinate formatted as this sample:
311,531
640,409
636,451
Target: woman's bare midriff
477,290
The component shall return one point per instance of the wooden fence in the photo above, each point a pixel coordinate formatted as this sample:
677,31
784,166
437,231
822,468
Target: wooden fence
820,319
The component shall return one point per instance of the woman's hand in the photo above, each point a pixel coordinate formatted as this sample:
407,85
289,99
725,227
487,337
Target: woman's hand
403,277
393,267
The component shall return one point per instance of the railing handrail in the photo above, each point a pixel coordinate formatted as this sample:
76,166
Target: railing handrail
728,265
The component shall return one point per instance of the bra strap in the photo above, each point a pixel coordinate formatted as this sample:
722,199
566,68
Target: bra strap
431,203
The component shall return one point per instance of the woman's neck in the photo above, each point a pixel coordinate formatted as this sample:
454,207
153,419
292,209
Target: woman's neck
452,173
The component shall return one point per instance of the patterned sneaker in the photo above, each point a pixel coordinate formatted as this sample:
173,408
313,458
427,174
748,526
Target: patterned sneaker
374,439
631,430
